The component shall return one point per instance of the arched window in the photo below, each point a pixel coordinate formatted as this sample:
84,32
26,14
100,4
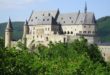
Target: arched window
68,32
46,38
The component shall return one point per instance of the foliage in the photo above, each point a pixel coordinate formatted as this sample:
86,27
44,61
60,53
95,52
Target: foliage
103,28
75,58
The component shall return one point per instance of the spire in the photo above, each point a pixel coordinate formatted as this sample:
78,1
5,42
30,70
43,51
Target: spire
79,12
58,9
26,23
9,24
85,10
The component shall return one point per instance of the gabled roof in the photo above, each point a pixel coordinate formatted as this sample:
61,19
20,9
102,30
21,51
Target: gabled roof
53,17
76,18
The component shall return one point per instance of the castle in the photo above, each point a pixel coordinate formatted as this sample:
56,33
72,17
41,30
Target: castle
45,26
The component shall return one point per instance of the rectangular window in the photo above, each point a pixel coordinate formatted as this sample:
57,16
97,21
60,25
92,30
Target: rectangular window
47,19
84,31
89,31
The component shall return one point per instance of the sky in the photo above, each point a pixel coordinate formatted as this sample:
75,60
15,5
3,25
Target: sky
20,10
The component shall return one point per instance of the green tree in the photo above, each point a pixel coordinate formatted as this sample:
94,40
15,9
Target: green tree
75,58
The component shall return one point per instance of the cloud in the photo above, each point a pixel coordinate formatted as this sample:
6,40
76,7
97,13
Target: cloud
10,4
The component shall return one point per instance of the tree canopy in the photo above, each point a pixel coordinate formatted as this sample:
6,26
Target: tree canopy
75,58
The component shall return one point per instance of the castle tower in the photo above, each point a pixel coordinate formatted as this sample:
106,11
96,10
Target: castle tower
25,31
8,34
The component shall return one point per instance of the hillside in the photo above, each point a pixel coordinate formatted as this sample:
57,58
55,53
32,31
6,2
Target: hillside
18,29
103,28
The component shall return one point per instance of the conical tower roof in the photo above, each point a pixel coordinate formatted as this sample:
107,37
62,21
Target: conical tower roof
85,10
9,25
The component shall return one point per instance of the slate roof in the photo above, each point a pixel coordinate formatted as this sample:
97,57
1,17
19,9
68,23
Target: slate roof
9,25
50,17
42,17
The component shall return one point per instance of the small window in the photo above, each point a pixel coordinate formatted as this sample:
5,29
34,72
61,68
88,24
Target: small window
36,17
71,32
46,38
89,31
43,14
68,32
71,21
43,19
84,31
47,19
64,22
49,14
55,32
84,26
70,17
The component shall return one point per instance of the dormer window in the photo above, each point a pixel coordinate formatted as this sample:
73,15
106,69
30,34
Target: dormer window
31,20
49,14
43,19
43,14
70,17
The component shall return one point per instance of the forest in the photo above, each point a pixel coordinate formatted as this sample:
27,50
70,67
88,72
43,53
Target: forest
75,58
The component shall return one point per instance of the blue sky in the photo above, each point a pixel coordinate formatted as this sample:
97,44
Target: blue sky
20,10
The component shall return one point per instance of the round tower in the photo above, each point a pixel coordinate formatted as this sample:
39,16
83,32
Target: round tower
25,31
8,34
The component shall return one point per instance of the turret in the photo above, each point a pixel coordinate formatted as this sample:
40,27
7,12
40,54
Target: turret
8,34
25,31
